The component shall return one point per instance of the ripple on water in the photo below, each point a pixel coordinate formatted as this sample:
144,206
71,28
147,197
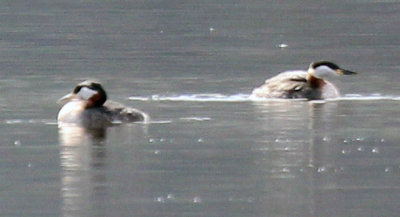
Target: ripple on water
17,143
197,200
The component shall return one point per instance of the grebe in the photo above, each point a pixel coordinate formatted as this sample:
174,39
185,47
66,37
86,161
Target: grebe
308,84
87,106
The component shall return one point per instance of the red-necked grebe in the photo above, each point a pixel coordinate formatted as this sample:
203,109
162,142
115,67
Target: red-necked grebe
88,106
308,84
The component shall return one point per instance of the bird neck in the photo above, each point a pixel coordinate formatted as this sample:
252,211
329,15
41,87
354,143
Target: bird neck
314,81
95,101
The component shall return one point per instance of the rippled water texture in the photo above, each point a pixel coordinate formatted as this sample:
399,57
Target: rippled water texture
210,148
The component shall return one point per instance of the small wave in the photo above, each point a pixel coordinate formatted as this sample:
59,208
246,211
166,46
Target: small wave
30,121
139,98
196,98
216,97
359,97
160,122
196,118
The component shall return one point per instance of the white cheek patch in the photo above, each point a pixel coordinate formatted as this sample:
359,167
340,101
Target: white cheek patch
324,72
86,93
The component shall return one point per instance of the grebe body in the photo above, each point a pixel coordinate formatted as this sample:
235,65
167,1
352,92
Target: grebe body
88,106
310,84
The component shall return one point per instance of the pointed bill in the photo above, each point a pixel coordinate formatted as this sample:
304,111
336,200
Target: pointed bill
346,72
66,98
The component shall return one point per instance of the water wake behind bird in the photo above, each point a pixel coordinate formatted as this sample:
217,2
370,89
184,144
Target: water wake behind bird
241,97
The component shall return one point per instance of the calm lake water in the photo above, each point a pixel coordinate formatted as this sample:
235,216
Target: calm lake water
210,149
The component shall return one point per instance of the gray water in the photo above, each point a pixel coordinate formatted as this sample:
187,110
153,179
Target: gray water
209,150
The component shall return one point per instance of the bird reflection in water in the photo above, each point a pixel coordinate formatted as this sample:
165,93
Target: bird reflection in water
83,155
292,149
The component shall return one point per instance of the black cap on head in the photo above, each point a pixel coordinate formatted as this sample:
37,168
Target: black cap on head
325,63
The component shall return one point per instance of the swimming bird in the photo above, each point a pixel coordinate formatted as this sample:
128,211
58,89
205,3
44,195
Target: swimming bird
310,84
87,106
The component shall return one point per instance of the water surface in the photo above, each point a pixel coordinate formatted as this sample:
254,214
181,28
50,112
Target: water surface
210,149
